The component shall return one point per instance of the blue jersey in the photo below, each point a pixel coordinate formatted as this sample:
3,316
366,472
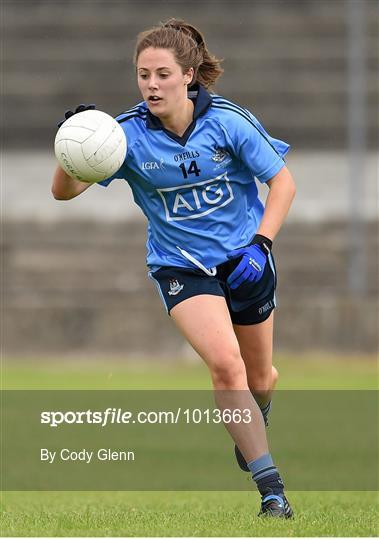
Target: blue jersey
198,191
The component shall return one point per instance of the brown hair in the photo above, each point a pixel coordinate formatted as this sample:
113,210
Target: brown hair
189,48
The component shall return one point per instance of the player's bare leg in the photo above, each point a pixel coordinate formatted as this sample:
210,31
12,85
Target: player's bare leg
255,343
205,322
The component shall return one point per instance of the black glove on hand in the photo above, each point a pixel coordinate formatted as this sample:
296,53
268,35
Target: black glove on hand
78,109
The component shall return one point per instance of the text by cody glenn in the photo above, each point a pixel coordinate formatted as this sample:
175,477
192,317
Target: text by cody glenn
85,456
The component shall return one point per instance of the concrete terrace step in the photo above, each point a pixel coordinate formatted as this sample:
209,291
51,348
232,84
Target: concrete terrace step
302,85
92,49
82,287
278,56
82,259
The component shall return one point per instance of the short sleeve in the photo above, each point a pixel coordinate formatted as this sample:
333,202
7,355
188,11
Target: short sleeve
118,175
261,154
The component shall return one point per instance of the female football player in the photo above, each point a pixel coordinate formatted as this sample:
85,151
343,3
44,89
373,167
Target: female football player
192,163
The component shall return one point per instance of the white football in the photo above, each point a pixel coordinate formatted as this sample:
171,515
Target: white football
90,146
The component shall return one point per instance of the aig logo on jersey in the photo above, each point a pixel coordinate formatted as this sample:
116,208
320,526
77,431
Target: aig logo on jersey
192,201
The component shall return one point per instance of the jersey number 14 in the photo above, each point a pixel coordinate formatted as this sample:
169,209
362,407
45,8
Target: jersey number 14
192,169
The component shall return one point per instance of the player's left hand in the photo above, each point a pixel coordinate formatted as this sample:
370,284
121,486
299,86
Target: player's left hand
252,264
82,107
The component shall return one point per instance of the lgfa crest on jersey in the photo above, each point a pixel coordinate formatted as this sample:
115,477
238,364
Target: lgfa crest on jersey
175,287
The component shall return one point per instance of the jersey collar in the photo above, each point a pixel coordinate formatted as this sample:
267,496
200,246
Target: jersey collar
202,101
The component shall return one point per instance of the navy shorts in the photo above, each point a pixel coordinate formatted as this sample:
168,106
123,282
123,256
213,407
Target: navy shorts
250,303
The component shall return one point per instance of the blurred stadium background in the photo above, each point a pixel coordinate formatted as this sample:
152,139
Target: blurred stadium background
74,277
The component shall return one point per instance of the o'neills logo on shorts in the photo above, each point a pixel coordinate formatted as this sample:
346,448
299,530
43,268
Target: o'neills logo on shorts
192,201
269,305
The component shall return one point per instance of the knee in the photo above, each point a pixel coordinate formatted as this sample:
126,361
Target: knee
263,380
229,372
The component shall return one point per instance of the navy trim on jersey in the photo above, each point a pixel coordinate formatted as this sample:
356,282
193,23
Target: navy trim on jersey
137,108
243,113
141,115
223,101
202,100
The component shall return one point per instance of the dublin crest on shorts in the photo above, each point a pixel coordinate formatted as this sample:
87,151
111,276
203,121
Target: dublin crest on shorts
175,287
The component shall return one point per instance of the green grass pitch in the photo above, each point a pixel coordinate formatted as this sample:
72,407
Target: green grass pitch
53,514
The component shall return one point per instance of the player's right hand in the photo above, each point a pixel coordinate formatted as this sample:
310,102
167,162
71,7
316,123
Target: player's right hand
79,108
251,266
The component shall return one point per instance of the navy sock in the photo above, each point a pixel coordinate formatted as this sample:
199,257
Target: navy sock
266,475
266,409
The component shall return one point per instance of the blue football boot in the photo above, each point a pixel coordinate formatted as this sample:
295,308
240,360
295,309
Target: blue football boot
275,506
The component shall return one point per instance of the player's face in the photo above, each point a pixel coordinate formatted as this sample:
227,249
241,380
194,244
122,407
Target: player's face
162,82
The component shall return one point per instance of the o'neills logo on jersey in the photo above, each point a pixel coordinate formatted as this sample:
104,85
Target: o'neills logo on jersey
192,201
